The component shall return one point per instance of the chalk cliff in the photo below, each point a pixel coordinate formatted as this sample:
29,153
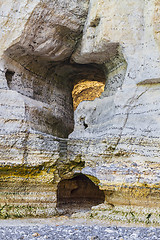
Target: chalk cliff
79,108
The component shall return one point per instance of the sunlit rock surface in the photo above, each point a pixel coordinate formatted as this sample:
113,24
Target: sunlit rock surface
101,58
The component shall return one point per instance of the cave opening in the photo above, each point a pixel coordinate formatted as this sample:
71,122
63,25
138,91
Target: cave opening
77,194
88,83
59,90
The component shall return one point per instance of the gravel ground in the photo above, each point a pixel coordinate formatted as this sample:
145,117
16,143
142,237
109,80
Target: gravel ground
83,232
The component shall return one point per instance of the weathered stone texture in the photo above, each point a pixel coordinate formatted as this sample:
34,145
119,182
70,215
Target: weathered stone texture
120,145
49,48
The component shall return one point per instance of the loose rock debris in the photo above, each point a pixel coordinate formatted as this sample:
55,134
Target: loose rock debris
76,232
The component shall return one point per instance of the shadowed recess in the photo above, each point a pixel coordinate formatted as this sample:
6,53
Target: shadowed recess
9,75
78,192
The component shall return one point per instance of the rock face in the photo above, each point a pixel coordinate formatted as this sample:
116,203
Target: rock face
53,51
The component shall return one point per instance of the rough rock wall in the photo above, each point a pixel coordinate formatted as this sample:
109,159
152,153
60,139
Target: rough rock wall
36,94
37,39
122,135
47,47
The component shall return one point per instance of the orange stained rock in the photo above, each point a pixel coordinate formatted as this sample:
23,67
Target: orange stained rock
86,90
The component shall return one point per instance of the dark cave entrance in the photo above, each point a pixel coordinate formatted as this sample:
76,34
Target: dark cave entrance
78,193
9,75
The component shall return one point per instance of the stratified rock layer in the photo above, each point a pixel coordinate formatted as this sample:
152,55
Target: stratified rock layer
48,49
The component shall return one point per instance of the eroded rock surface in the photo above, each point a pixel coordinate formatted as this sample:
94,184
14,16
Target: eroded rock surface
52,51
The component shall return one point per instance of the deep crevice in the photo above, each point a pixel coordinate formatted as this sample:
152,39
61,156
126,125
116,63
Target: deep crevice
85,125
9,75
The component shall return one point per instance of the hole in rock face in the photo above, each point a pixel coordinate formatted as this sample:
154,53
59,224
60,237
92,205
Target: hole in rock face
9,75
78,193
88,83
82,119
86,90
85,125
